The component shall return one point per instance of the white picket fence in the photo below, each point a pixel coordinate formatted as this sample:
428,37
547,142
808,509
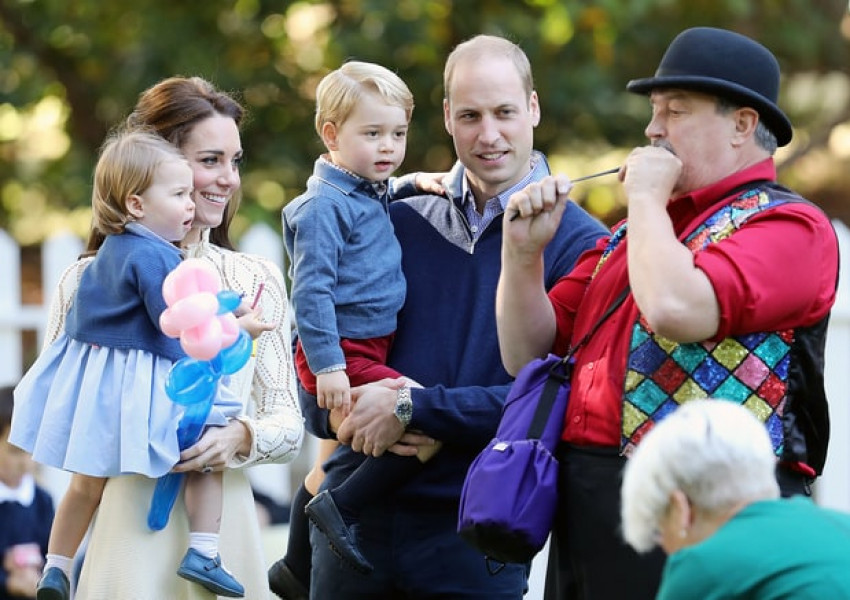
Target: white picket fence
833,489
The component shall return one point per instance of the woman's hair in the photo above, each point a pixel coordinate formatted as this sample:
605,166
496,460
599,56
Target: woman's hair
339,91
172,108
715,451
487,46
127,164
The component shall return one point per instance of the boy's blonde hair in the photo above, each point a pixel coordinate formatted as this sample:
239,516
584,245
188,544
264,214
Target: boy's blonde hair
126,166
340,91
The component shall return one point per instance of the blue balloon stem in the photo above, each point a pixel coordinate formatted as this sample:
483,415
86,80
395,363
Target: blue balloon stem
164,496
168,486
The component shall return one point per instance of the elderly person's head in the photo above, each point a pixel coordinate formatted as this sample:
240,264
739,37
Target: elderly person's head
714,104
692,472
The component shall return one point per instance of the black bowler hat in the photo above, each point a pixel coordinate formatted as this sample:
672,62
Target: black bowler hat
725,64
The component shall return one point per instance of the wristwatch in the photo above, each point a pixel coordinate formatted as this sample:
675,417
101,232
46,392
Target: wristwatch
403,406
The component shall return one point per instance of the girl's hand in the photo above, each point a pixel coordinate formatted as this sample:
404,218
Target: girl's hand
251,320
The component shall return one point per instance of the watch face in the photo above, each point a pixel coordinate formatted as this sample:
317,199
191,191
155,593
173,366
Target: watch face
404,406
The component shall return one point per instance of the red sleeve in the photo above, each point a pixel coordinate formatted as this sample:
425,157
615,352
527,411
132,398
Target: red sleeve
566,295
778,271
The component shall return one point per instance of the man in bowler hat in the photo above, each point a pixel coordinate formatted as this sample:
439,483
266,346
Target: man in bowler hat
728,278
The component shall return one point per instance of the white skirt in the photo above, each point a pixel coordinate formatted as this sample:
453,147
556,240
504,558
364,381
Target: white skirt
127,561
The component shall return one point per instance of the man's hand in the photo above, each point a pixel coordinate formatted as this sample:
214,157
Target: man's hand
372,426
650,174
415,443
538,208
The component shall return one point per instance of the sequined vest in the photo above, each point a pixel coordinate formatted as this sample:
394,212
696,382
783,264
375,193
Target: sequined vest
778,375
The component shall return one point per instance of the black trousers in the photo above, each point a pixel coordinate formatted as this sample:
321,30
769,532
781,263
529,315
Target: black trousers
793,483
588,558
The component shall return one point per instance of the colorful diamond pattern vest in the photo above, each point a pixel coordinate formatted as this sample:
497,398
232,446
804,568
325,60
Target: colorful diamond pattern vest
749,369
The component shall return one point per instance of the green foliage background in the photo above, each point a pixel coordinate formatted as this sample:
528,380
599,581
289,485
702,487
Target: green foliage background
71,70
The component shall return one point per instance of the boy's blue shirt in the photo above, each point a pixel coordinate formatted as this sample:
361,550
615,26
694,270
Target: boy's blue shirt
345,264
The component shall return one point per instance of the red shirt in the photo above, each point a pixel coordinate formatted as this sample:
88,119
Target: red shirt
778,271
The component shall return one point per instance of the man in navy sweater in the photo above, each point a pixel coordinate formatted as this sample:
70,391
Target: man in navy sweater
446,341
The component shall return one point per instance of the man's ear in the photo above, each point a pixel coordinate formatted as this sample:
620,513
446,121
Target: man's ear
135,206
746,120
534,108
447,117
329,136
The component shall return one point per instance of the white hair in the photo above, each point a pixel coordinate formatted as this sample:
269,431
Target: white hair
716,452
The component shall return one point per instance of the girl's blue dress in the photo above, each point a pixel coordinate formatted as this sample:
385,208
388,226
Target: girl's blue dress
103,411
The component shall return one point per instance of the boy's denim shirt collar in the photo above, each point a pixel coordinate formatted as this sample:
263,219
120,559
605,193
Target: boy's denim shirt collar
347,181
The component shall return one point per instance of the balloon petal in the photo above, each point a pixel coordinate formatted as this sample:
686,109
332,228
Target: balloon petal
229,329
193,310
192,276
228,301
190,380
169,288
202,342
167,324
235,356
203,275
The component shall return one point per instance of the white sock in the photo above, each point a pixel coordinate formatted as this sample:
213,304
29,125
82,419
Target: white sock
61,562
205,543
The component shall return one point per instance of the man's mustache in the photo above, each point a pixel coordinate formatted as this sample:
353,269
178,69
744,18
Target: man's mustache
664,144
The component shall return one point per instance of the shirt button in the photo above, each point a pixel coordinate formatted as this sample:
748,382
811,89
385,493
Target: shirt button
474,228
590,366
576,419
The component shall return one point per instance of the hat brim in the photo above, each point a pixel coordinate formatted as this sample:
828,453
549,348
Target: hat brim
773,117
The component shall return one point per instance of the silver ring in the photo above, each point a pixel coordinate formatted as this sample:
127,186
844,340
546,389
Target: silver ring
207,469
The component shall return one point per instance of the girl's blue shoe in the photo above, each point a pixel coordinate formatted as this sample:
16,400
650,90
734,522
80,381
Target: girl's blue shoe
53,585
210,573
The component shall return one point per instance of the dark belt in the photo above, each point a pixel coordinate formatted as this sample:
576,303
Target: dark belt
793,482
565,448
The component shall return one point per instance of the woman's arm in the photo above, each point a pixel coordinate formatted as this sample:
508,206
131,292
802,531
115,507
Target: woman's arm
271,429
63,297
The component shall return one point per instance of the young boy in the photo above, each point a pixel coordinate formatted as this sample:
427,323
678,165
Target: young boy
26,514
347,283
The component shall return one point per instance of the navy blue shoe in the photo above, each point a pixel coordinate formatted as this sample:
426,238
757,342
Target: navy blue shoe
324,514
53,585
210,573
285,584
